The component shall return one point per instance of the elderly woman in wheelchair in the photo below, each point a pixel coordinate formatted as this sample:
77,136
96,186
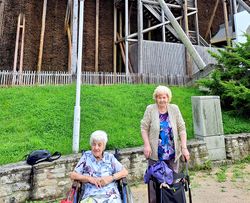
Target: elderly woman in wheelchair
99,170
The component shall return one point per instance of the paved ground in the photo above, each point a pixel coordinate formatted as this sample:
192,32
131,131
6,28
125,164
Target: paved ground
207,188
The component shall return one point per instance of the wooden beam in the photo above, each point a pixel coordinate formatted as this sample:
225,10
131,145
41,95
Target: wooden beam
97,36
40,55
67,24
189,70
17,42
22,43
126,35
182,36
120,31
211,19
122,47
226,22
197,23
115,37
74,28
140,35
69,49
163,27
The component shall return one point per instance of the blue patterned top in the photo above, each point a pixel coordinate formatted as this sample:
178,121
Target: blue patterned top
89,166
166,140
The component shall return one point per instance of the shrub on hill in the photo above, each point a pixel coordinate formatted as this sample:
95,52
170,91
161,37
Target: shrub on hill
231,78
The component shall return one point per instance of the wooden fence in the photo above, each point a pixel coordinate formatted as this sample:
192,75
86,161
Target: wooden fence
29,78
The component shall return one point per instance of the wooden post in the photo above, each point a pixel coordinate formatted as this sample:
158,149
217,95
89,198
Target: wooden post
197,23
120,31
149,33
20,27
67,24
186,28
234,6
126,37
22,43
140,35
97,36
226,22
40,55
211,19
17,42
70,50
122,47
115,37
74,36
164,26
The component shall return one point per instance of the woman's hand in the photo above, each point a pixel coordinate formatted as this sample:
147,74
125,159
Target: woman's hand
95,181
185,154
106,180
147,151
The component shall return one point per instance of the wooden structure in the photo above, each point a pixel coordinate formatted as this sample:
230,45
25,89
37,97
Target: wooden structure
120,36
164,20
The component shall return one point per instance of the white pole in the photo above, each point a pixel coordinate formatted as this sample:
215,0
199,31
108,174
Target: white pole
77,110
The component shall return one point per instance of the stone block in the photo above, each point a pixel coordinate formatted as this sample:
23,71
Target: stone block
214,142
207,117
217,154
215,147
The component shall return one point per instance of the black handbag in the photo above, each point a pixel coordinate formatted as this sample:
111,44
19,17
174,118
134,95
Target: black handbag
38,156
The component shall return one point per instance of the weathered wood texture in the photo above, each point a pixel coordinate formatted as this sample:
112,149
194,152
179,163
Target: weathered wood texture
55,50
29,78
167,58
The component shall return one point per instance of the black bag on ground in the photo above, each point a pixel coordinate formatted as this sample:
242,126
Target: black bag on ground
38,156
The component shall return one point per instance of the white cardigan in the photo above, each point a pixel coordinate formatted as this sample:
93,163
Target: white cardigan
151,124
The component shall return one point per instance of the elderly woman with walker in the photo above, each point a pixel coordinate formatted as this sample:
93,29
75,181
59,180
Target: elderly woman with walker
164,134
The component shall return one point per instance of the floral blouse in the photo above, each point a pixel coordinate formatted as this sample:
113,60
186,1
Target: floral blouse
89,166
166,141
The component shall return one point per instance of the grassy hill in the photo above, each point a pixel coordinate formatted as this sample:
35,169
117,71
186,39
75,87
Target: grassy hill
42,117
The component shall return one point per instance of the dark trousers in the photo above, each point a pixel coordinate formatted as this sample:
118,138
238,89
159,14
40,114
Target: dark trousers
151,186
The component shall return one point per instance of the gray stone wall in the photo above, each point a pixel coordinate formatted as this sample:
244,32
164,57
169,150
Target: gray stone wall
50,179
237,146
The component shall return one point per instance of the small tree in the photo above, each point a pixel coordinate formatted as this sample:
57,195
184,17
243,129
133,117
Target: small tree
231,78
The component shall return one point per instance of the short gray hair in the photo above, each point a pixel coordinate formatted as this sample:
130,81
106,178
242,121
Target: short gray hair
100,136
164,90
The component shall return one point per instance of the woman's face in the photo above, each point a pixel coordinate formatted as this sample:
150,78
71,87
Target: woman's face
162,99
97,149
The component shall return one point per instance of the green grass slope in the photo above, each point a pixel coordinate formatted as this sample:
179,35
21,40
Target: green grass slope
42,117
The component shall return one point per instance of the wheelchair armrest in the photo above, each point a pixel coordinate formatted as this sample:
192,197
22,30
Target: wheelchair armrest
76,184
124,181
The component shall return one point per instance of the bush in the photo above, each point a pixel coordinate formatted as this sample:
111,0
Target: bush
231,78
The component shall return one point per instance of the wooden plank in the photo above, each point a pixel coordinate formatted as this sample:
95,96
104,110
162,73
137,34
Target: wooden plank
40,55
211,19
22,43
97,36
226,22
140,35
114,44
17,42
69,50
187,55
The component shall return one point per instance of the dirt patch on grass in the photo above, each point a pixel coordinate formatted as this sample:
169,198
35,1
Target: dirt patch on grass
230,184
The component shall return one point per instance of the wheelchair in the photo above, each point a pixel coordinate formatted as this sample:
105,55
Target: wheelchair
123,187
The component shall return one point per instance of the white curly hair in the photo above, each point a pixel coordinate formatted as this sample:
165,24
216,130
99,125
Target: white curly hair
162,90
